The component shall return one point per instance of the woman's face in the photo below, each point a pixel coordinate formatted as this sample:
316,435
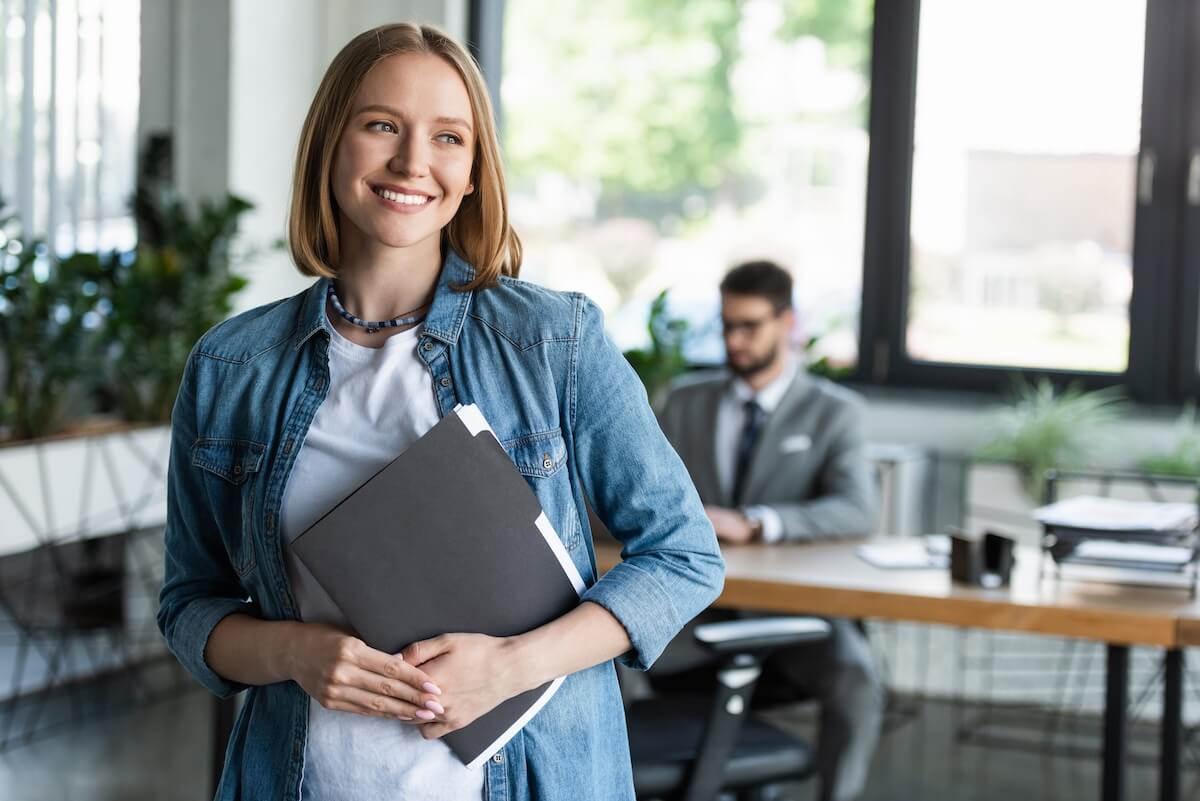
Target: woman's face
403,163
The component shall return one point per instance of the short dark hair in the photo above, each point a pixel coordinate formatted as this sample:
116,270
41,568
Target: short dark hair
764,279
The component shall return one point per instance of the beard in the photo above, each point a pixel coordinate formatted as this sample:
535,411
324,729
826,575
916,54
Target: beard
756,366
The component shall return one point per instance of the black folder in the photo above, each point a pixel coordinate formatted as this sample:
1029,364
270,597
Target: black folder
446,538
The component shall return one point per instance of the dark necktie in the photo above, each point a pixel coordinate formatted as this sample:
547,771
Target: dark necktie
746,442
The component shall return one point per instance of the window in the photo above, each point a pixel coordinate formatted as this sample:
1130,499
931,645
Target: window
1031,175
651,145
1021,234
1026,198
68,119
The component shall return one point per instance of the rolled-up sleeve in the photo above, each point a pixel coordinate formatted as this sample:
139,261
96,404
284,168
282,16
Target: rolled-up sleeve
200,586
671,566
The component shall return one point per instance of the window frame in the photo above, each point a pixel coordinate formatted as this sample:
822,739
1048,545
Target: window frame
1163,367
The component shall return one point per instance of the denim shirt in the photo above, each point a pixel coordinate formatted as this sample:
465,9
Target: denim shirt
570,413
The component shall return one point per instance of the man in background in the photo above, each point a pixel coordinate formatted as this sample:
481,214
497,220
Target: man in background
778,456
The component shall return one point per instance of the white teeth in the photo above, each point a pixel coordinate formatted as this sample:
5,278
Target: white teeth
407,200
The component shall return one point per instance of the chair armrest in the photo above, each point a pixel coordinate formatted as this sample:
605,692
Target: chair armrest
760,635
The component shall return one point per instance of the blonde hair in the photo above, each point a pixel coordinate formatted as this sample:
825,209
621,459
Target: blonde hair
480,231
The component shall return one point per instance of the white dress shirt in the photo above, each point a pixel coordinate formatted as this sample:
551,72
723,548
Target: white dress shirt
731,416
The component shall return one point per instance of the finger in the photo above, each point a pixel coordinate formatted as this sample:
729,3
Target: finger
384,685
364,702
421,652
394,667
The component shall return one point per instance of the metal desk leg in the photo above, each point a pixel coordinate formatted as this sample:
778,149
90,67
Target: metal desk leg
223,712
1172,727
1116,698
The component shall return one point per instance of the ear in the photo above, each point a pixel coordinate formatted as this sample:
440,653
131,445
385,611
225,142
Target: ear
789,329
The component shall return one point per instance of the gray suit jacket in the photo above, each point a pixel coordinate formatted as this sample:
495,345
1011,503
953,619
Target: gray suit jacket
809,464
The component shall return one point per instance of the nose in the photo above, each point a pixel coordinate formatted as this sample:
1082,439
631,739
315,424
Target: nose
411,158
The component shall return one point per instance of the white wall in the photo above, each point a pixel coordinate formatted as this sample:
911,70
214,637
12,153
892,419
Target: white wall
155,108
184,86
201,96
962,424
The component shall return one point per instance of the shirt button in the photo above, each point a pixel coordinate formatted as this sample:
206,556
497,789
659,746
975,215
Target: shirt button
237,469
427,346
498,759
445,382
547,462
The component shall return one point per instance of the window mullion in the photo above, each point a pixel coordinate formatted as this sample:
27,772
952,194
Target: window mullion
1188,263
889,185
1154,310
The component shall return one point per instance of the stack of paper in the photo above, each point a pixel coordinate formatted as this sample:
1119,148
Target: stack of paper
1115,515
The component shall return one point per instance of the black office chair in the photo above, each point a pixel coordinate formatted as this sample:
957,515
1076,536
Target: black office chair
694,747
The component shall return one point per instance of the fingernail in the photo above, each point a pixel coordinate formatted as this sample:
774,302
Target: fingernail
435,706
430,687
404,717
425,714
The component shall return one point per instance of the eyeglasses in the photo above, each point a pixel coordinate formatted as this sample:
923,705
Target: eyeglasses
747,327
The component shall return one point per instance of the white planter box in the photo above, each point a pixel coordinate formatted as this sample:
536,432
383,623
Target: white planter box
70,488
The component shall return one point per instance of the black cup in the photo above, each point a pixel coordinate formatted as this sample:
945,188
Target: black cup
986,563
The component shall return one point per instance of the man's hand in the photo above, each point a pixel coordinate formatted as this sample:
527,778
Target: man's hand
731,525
475,672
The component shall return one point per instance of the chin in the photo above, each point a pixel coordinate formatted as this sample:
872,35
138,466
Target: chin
404,239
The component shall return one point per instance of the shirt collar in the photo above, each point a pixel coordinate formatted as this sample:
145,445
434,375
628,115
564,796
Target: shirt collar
444,320
769,396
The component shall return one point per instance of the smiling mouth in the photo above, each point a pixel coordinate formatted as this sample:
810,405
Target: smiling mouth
402,199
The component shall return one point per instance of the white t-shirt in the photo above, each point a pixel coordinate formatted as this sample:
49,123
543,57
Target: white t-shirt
380,401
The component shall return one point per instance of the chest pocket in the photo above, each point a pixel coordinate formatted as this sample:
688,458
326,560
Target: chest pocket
229,464
540,458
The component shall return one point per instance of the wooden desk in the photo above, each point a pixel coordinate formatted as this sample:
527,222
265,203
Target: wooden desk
829,579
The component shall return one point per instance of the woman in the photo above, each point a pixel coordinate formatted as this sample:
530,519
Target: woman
399,209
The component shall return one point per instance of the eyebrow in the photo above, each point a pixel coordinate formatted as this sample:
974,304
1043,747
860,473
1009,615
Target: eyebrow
395,113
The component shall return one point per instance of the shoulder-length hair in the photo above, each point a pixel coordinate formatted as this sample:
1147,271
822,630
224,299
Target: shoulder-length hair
480,231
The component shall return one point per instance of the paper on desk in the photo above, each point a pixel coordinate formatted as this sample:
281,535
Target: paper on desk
1110,551
900,555
1113,514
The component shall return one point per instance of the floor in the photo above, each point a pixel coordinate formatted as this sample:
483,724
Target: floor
157,751
919,758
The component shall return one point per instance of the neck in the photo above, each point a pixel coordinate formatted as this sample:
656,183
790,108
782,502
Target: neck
760,380
377,282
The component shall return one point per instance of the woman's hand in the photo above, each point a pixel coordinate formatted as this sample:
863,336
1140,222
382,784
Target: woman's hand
342,672
476,672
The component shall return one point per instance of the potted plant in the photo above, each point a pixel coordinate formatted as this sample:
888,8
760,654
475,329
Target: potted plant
1044,428
662,360
179,283
50,321
1183,458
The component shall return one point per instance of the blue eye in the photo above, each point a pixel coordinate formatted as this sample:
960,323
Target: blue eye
390,128
449,138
